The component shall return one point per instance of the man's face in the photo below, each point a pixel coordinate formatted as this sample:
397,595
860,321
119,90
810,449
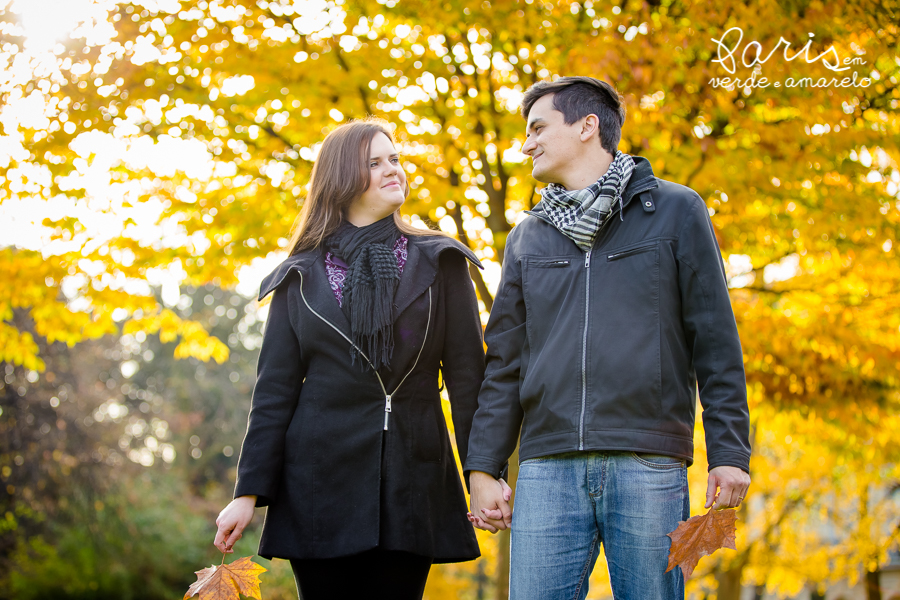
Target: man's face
551,144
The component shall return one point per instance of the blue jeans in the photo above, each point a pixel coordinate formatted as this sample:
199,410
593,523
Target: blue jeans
566,505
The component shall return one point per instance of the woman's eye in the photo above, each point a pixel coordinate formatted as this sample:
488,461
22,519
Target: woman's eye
395,161
373,165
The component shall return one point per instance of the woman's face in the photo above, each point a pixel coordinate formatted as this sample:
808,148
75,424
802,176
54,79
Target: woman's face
387,185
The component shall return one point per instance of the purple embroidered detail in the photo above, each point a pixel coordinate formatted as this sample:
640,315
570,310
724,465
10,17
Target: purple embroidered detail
336,269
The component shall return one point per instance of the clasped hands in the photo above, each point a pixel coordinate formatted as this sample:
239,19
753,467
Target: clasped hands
490,502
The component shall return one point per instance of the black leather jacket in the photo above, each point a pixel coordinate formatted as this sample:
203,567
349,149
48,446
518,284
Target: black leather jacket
604,350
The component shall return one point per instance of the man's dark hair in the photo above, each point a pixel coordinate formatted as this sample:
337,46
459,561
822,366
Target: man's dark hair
578,97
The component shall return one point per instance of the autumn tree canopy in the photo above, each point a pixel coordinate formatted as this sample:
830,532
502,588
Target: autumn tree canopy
168,141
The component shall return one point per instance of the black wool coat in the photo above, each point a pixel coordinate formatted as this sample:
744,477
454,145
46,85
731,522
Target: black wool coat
316,451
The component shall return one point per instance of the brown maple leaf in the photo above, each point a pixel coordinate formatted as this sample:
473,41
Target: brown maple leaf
225,581
700,536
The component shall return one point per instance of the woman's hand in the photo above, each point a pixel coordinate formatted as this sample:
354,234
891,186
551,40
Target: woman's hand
232,521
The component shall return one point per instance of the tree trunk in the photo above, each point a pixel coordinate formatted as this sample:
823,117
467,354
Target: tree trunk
873,576
873,585
729,584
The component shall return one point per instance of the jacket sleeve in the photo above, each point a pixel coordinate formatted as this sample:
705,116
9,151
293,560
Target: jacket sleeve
279,378
498,420
462,358
713,341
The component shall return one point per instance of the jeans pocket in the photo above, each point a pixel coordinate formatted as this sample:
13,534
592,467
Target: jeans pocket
657,461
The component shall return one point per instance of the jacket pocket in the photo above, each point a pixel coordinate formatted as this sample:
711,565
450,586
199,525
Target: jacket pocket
550,263
427,432
630,252
658,461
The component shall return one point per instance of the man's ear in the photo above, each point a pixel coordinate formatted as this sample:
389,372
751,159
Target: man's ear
590,127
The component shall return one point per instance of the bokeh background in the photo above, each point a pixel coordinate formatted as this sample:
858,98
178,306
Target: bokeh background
154,155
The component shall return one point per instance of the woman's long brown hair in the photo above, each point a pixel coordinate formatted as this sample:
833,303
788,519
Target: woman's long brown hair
340,175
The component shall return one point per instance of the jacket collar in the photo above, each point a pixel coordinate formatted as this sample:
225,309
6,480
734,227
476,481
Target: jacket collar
423,254
642,179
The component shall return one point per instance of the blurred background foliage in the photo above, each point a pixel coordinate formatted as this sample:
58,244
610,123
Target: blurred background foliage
155,153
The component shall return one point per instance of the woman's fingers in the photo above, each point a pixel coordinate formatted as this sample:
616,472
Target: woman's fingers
507,491
480,523
221,534
232,540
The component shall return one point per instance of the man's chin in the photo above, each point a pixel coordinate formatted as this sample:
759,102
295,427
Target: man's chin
540,175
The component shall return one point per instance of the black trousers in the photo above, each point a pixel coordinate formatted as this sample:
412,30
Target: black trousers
372,574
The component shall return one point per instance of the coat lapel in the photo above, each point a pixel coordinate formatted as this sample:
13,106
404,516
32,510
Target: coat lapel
319,294
423,255
418,274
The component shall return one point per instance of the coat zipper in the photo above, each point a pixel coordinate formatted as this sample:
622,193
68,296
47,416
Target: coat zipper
587,304
387,397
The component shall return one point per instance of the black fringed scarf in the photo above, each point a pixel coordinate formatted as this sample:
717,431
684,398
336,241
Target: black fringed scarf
370,284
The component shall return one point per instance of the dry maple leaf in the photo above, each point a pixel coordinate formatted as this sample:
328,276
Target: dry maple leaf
225,581
700,536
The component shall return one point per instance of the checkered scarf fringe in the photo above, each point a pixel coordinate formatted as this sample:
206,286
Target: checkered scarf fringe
579,214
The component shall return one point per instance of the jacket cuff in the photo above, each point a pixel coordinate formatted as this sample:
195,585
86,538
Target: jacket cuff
730,459
494,468
264,494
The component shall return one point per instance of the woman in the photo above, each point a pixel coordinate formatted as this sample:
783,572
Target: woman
346,441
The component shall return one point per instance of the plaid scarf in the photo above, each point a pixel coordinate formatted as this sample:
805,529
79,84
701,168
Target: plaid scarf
579,214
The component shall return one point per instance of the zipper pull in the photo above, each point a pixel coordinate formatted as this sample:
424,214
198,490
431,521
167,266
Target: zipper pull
587,258
387,410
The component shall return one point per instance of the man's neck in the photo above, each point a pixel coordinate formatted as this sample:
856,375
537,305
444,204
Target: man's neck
586,171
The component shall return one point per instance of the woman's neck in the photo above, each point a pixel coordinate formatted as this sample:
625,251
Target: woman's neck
364,218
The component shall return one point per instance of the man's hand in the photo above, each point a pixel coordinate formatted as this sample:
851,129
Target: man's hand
732,484
232,521
490,502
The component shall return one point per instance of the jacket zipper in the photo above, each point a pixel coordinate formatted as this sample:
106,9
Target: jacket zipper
587,265
387,397
587,304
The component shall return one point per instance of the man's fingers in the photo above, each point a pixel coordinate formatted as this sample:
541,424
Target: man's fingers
711,486
497,522
728,496
492,513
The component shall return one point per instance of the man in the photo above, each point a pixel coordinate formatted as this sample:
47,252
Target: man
612,308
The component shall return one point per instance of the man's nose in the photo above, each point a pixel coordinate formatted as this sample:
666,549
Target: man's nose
529,147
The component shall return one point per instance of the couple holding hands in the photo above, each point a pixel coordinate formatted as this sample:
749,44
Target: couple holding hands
612,311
